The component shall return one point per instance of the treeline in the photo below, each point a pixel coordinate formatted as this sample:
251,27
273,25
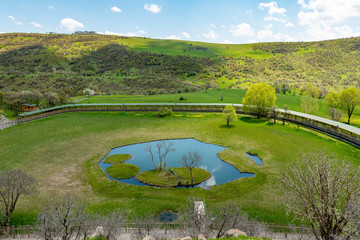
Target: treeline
55,62
15,100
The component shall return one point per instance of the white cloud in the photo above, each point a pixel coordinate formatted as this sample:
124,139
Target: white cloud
51,7
115,9
227,42
264,34
211,34
71,24
128,34
172,37
275,19
37,25
273,8
212,25
327,12
269,26
289,24
249,11
284,37
14,20
152,8
268,36
242,30
185,34
223,26
324,19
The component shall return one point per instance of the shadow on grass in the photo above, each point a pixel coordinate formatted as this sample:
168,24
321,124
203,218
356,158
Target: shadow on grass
250,119
226,126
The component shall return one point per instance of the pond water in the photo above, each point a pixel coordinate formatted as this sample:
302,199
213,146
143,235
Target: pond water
221,172
255,157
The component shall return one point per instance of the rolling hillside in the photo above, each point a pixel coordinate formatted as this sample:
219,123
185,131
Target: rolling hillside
114,64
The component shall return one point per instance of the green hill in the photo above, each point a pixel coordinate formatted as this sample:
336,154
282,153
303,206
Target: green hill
132,65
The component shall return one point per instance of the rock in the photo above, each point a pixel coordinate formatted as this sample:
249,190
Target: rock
201,237
186,238
148,237
98,232
235,233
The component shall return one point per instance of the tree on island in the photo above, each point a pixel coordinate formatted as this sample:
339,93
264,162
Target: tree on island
349,99
191,160
13,184
258,98
163,149
229,114
325,192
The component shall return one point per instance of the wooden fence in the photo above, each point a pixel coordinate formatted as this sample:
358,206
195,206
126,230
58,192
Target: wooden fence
338,130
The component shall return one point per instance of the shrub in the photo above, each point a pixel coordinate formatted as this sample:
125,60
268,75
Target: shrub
164,111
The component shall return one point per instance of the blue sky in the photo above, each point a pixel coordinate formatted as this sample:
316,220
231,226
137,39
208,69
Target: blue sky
219,21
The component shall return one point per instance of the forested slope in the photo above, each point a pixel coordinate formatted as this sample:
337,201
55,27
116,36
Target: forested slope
114,64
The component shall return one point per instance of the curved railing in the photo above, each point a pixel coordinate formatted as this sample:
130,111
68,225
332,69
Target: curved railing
339,130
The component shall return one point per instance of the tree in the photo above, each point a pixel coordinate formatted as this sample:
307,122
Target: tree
349,99
229,114
207,85
309,102
1,98
162,150
335,114
13,101
148,148
191,160
13,184
321,189
258,98
332,99
285,88
89,92
274,113
285,113
52,99
65,219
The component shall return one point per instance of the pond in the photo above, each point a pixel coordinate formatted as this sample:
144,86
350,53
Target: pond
255,157
221,172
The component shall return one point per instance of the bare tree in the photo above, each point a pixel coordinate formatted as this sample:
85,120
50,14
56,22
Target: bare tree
13,184
229,216
285,113
163,149
148,148
65,219
198,221
273,113
111,224
321,189
191,160
335,114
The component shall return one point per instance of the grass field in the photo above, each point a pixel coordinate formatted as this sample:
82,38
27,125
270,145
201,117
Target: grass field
62,153
214,96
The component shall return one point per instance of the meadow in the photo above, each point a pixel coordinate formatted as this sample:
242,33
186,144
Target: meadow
214,96
62,153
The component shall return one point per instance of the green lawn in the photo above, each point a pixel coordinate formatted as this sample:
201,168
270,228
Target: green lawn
214,96
122,170
62,153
